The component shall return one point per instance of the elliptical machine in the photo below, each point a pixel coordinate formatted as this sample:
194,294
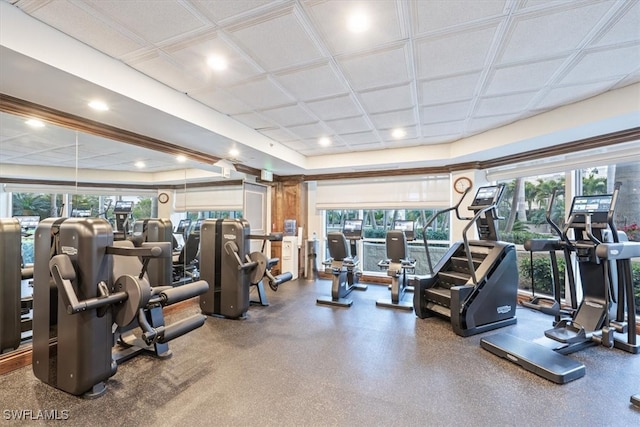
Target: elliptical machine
343,264
398,265
604,292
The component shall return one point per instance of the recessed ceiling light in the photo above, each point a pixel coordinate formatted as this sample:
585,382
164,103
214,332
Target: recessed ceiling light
35,123
139,165
98,105
358,23
180,158
324,141
234,152
217,63
398,133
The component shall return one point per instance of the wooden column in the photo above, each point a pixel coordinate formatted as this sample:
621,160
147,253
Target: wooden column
289,201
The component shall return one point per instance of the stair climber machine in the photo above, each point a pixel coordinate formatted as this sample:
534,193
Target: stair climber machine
227,264
601,317
85,288
398,265
475,284
343,264
552,305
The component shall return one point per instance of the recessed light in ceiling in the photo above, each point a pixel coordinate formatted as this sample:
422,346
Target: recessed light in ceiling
324,141
217,63
180,158
35,123
234,152
398,133
358,22
139,165
98,105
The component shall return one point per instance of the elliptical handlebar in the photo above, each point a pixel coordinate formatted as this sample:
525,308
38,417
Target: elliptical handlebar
611,213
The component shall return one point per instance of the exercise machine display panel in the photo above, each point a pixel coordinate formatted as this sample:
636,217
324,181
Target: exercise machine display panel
183,226
407,227
487,195
352,229
598,206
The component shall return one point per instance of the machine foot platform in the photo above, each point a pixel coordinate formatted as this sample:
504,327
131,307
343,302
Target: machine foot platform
408,306
341,302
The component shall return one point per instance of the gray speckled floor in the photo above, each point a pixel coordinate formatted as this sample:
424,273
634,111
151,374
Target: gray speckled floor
297,363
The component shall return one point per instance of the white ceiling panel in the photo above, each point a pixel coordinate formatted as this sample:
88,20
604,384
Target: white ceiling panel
505,104
335,108
570,94
289,115
453,54
477,125
260,94
411,134
310,131
388,99
604,64
509,79
160,67
332,17
360,138
220,100
277,41
448,89
445,112
549,34
625,28
219,10
367,147
394,119
446,128
279,134
318,81
383,68
433,16
349,125
253,120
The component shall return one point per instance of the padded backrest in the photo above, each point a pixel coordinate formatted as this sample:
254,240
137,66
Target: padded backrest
123,264
338,246
190,249
396,243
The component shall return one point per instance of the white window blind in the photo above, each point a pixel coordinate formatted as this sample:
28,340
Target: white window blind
224,198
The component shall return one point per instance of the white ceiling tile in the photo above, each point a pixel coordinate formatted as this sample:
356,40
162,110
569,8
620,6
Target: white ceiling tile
389,99
445,112
569,94
193,54
552,33
453,54
360,138
154,21
394,119
334,108
278,134
430,16
220,100
277,42
367,147
509,79
80,23
260,94
504,104
310,131
626,29
448,89
290,115
331,19
253,120
483,124
411,134
314,82
348,125
162,68
298,145
604,64
219,10
446,128
382,68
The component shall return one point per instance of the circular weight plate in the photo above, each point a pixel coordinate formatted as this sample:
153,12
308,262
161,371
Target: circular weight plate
138,294
258,272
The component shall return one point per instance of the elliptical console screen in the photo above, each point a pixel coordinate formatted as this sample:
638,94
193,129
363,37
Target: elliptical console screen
27,222
591,204
352,228
406,226
183,225
123,206
486,196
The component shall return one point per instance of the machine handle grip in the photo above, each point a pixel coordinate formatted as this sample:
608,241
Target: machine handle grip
181,293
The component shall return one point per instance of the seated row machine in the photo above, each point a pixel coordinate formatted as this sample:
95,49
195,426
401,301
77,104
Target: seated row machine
82,288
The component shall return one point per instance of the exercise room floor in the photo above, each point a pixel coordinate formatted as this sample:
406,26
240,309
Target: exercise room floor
298,363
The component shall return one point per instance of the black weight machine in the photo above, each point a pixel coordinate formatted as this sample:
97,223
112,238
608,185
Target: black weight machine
227,263
600,318
263,269
398,264
83,285
343,264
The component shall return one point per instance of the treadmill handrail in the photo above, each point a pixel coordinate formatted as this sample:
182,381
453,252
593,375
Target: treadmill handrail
455,208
